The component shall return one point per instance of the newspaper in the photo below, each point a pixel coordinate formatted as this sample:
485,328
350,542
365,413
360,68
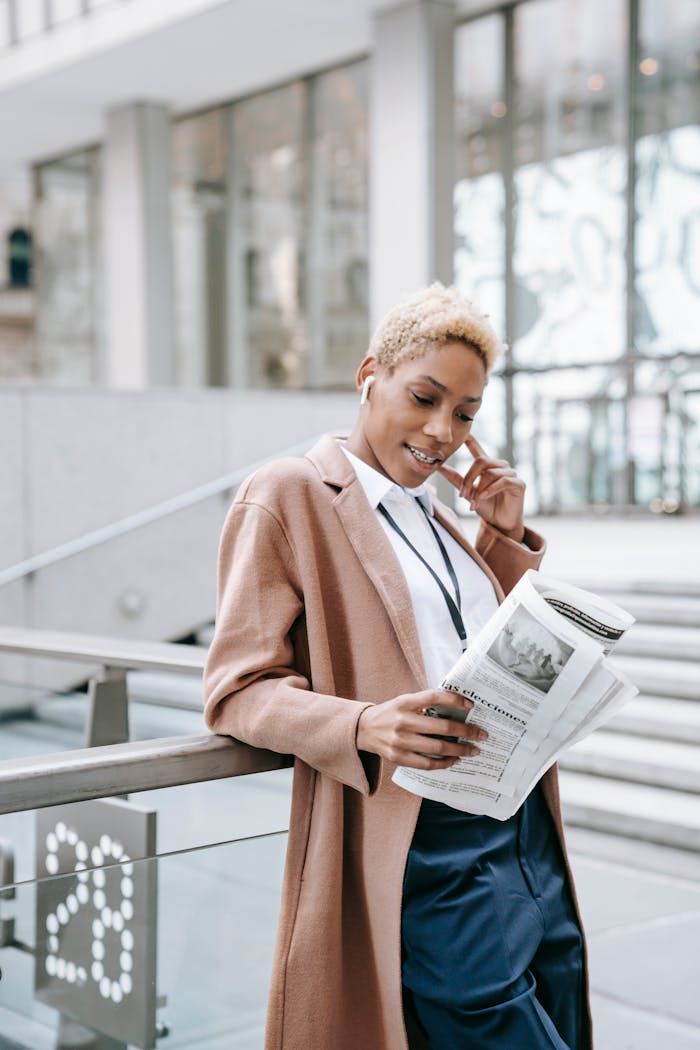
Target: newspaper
540,680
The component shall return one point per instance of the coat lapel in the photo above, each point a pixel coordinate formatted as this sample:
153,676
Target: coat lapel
373,549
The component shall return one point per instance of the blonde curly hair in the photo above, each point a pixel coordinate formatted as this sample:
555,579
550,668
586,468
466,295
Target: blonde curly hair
434,314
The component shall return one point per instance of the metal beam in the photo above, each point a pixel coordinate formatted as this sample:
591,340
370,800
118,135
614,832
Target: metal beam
630,232
509,212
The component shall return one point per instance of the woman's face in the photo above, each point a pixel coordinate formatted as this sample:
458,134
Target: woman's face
417,415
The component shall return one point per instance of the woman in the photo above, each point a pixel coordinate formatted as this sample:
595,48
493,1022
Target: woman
404,922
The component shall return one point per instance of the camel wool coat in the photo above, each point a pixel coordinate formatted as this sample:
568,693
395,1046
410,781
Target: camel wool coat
314,623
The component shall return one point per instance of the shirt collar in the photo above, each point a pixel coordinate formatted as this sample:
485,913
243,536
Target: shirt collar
378,488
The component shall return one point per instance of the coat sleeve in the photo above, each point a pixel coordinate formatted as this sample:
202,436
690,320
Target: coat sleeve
253,687
508,559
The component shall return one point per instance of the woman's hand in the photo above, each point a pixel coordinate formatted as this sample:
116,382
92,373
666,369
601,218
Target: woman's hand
399,730
493,489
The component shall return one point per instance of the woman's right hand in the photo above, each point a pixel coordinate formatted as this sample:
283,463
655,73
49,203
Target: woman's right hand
399,730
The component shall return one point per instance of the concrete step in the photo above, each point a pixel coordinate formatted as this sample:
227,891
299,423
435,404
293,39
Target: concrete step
648,608
662,641
657,677
163,689
662,763
658,718
657,588
636,810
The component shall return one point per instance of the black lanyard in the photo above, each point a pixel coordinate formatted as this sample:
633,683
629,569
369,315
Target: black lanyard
453,606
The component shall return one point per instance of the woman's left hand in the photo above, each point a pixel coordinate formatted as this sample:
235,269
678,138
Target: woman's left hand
493,489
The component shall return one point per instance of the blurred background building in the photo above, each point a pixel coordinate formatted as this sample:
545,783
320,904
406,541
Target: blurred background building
205,205
206,194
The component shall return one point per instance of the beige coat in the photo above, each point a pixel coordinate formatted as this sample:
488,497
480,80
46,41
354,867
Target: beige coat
314,623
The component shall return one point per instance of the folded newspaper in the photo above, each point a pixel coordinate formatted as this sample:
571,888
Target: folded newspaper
540,680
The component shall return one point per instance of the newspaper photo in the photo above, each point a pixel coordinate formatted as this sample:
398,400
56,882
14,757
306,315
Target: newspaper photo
539,679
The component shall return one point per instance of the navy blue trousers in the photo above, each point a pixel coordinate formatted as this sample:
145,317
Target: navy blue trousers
492,950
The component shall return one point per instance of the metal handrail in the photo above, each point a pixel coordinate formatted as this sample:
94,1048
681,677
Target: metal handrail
143,517
126,653
117,769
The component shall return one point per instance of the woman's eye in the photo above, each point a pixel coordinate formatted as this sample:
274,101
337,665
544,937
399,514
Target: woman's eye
464,418
422,400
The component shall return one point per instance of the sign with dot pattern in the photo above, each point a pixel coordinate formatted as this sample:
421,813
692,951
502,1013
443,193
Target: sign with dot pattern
96,915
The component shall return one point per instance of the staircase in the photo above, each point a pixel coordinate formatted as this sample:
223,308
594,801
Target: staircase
640,774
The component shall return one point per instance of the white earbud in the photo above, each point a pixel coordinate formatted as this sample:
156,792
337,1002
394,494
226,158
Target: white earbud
365,389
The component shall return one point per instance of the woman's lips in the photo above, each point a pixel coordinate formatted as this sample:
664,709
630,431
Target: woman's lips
423,457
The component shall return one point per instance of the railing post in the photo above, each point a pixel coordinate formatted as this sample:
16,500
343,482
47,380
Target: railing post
7,890
108,717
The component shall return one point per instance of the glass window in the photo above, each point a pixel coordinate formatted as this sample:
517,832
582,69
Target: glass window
479,198
687,418
338,278
570,435
68,285
5,24
199,146
667,248
270,236
593,434
664,433
570,168
30,18
65,10
269,215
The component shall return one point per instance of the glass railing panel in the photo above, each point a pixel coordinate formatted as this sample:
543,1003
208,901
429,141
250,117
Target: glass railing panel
36,720
218,810
188,816
132,950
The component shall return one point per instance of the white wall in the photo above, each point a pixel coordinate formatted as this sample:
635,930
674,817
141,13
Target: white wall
78,460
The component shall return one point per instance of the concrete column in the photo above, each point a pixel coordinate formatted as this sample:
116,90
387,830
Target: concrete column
411,174
237,371
140,344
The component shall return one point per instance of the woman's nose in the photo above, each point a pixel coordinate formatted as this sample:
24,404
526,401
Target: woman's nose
439,427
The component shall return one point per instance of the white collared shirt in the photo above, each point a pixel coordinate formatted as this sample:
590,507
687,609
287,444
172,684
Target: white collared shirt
438,637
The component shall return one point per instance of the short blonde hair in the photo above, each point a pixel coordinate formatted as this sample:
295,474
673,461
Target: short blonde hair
435,314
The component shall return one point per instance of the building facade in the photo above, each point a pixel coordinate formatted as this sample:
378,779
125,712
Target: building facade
232,194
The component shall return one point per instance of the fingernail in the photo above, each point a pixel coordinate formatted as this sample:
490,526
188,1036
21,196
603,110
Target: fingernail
482,735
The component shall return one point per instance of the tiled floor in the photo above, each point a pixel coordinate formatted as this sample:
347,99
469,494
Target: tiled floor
641,909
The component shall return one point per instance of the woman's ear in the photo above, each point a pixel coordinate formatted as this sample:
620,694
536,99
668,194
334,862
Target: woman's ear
365,377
